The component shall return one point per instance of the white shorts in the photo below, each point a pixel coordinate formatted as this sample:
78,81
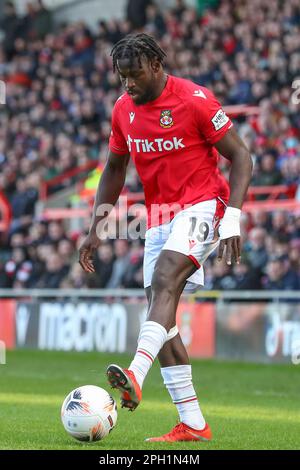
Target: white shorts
192,232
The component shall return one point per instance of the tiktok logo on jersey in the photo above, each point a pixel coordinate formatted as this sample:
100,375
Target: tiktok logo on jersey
156,145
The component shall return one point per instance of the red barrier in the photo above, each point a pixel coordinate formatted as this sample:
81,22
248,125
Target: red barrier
241,110
289,205
271,192
7,322
6,213
196,323
64,176
64,213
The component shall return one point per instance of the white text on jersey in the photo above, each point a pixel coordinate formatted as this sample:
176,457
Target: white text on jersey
156,145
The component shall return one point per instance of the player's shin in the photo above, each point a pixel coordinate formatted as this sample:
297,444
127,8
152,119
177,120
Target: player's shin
151,339
178,380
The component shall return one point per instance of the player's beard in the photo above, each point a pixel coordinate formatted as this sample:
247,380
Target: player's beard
145,97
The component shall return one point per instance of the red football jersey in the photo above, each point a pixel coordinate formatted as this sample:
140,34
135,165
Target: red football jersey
171,141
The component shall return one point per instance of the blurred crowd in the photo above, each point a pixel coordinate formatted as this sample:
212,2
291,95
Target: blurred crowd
60,94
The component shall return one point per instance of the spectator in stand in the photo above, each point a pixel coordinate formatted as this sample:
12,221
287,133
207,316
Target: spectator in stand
179,9
4,279
9,24
22,204
132,278
18,268
279,223
120,265
17,240
294,259
290,170
281,246
261,219
280,276
104,263
136,13
42,23
65,249
267,175
55,271
56,232
296,233
38,264
155,22
256,251
76,279
37,233
246,277
221,274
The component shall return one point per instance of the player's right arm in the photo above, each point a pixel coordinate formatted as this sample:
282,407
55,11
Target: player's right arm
108,192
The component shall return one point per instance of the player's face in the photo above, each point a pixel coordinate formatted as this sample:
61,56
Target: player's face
140,81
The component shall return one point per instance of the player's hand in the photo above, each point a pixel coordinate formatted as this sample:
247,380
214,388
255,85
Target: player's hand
229,232
89,245
233,249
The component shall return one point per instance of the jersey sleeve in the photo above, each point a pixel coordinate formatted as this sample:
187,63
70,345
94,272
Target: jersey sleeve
211,119
117,142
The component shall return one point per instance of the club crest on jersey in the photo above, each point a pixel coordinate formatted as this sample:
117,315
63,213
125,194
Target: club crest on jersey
166,119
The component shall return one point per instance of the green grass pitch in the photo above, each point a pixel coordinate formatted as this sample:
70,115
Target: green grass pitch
248,406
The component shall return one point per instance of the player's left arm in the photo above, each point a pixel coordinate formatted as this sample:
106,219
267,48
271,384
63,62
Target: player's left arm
234,149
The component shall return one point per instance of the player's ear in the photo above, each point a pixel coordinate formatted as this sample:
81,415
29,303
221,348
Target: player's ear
155,65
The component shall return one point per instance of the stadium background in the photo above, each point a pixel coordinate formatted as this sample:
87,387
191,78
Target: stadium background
54,128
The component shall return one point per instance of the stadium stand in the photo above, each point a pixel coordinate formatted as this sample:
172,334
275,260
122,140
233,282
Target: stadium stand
60,93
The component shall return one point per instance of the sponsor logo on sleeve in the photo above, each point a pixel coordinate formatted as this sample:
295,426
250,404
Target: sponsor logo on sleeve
199,94
220,119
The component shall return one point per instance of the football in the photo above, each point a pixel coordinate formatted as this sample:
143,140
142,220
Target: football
89,413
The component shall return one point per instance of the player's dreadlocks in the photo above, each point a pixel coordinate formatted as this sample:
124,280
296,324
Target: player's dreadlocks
136,46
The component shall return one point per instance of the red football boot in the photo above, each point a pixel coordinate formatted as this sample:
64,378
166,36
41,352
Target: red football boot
124,380
182,432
